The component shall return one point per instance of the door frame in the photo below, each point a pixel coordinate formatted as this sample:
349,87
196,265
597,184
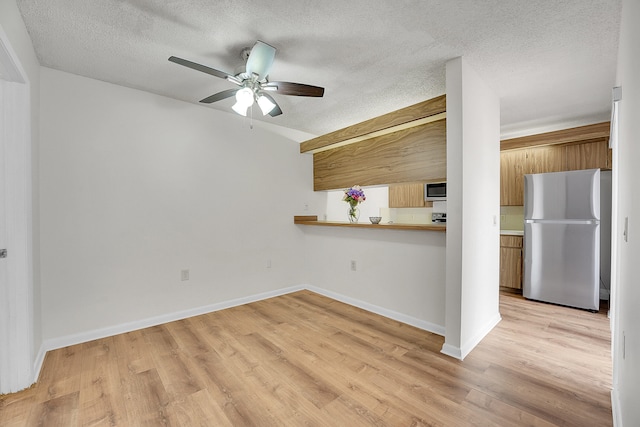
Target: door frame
17,365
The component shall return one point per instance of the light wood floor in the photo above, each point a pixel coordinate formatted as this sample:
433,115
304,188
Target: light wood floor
303,359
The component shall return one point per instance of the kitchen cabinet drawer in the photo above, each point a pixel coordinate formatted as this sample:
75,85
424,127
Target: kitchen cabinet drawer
510,241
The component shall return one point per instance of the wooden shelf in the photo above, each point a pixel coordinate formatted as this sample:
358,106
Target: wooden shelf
312,220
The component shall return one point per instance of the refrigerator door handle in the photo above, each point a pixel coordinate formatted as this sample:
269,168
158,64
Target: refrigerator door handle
564,221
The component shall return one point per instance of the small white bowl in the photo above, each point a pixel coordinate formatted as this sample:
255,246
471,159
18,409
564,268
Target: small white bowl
375,219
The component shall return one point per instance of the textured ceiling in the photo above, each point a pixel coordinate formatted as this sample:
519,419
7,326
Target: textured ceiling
548,60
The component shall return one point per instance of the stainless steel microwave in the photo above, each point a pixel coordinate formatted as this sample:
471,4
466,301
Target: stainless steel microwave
434,191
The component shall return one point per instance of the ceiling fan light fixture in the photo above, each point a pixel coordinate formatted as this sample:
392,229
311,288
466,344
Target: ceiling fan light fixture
265,104
245,96
240,108
252,79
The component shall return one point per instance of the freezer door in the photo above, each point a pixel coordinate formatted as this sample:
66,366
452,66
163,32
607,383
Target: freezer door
562,195
561,263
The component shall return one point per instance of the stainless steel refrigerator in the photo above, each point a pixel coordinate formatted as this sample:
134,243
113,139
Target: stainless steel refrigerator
562,238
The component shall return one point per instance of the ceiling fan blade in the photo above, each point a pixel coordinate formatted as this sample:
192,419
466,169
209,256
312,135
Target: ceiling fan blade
201,68
276,110
219,96
296,89
260,59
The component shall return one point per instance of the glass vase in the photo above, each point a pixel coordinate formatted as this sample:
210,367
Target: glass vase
353,213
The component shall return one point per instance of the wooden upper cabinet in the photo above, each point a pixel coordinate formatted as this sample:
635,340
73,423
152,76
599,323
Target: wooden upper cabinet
589,155
406,195
512,167
551,158
514,164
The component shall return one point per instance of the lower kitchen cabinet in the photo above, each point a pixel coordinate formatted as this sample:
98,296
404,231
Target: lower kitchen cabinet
511,262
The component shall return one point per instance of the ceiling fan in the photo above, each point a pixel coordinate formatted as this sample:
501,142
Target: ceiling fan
253,82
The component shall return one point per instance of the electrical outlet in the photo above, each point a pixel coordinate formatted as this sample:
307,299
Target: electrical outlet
268,264
184,275
353,265
306,206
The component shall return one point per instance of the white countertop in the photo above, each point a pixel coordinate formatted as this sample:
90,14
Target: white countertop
512,232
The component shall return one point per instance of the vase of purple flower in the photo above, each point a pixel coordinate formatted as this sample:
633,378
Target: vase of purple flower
353,213
354,196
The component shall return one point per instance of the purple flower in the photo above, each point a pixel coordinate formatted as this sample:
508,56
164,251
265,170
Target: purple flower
354,195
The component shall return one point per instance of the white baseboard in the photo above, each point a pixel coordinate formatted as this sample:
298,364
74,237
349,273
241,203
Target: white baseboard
615,408
64,341
474,341
55,343
461,352
451,351
37,363
409,320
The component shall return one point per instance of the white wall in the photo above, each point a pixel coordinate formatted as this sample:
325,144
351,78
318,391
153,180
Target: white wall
136,187
377,198
13,26
473,209
626,293
399,273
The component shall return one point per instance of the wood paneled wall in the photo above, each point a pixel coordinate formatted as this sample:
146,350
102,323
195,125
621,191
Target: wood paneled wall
564,136
409,155
403,117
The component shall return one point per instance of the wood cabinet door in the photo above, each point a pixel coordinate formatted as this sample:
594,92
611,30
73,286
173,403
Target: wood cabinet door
589,155
406,195
512,164
515,164
550,158
511,268
511,262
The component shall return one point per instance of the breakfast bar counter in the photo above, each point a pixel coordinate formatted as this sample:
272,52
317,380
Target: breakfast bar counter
313,220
